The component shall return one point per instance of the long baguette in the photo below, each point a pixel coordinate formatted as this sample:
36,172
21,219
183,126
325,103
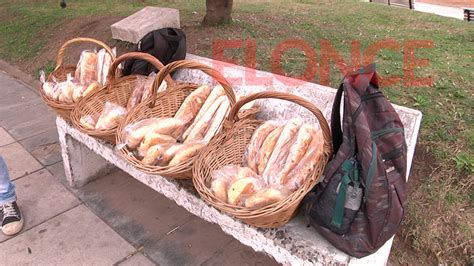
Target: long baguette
217,121
187,152
201,125
193,103
256,142
213,96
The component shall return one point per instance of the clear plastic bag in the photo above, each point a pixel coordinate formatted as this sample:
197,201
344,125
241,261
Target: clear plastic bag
266,197
48,87
78,92
217,121
193,103
186,152
100,65
66,89
148,86
106,66
157,154
266,150
86,70
91,88
240,189
280,153
256,142
137,92
199,127
306,165
110,116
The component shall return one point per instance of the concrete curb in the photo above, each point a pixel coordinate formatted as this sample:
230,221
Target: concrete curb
30,82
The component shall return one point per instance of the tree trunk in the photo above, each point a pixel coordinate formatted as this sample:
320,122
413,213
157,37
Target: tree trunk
218,12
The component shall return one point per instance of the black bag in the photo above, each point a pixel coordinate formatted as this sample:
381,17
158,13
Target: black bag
167,45
360,202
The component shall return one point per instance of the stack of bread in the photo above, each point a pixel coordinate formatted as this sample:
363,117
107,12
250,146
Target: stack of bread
91,73
143,90
171,141
280,157
110,117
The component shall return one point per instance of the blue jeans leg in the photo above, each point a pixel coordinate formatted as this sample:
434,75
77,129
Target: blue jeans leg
7,188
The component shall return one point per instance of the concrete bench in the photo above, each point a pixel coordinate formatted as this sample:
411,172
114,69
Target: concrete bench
85,158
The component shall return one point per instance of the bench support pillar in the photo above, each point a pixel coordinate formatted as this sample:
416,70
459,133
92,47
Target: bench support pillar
81,165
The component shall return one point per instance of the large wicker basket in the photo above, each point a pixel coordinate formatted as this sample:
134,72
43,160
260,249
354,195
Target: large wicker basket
229,148
117,90
60,74
166,104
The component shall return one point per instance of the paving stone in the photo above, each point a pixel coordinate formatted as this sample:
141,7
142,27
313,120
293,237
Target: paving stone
40,198
76,237
44,147
136,212
239,255
190,244
137,260
134,27
18,160
32,127
5,138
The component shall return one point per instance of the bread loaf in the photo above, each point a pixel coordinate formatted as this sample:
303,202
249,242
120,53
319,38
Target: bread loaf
187,152
258,137
91,88
86,70
298,150
106,66
48,88
137,93
111,116
267,148
215,93
78,92
193,103
280,153
241,188
306,165
66,89
265,197
153,155
200,126
170,152
219,188
153,138
88,121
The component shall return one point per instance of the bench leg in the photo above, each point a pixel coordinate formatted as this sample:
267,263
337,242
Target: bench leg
81,165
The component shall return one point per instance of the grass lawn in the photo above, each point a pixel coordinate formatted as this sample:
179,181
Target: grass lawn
439,221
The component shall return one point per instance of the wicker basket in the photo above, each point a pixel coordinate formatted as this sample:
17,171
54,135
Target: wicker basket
229,147
117,90
166,104
60,74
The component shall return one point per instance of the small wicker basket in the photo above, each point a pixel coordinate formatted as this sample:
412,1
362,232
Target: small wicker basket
229,148
117,90
60,74
166,104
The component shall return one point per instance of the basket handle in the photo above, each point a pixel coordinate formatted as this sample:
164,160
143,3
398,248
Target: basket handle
136,55
233,114
59,58
181,64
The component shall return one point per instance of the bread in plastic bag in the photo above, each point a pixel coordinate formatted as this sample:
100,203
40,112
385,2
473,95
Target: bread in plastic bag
94,86
266,197
186,152
280,153
100,65
148,86
267,148
215,93
193,103
158,154
256,142
217,121
106,66
110,116
200,126
88,121
242,188
153,138
66,89
86,70
307,164
137,93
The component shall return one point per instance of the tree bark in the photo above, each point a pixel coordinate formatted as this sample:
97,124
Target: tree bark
218,12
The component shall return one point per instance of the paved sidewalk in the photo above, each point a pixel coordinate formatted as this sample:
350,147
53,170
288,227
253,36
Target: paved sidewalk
446,11
113,220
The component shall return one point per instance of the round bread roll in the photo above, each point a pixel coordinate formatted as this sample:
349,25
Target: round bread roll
265,197
219,188
242,188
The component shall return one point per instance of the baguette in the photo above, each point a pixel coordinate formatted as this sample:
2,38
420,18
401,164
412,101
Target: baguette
91,88
200,126
213,96
187,152
256,142
306,165
170,152
267,148
193,103
280,153
298,150
217,121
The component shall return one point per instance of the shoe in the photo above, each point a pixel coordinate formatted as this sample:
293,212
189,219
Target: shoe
12,222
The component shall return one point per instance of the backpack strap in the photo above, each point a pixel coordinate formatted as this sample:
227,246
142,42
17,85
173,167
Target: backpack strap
336,129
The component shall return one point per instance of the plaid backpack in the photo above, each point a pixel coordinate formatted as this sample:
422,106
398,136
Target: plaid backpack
360,202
